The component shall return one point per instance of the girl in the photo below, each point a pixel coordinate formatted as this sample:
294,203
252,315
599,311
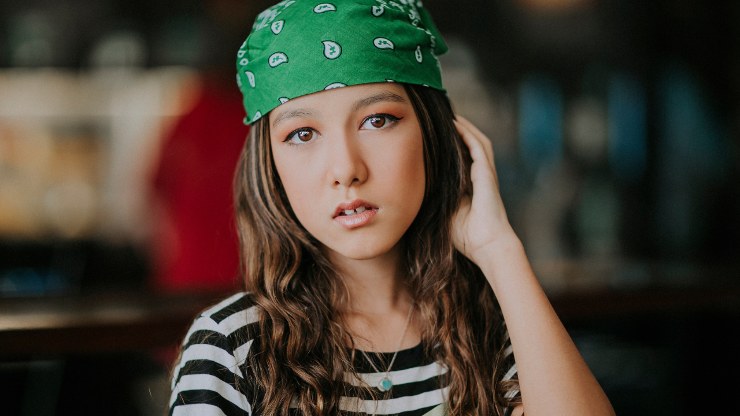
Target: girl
381,265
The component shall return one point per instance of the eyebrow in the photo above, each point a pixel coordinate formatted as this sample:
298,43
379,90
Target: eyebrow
385,96
290,114
376,98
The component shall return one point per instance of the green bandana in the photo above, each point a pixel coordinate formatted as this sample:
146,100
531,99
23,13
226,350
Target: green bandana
299,47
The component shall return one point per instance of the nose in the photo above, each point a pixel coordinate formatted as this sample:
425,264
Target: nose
346,163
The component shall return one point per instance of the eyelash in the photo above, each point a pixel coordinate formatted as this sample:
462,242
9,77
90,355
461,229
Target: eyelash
391,119
294,133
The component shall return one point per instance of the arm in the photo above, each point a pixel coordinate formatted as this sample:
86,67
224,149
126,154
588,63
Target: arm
553,377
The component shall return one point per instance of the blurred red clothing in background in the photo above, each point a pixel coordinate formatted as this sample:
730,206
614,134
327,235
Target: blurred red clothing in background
195,242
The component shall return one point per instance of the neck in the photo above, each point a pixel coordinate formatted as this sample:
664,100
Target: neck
379,302
375,285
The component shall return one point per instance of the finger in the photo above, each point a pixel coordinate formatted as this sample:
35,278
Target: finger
477,150
480,136
470,133
481,141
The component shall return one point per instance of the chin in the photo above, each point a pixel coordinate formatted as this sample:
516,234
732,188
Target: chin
363,251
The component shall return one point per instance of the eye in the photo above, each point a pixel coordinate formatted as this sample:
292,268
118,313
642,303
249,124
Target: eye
378,121
300,136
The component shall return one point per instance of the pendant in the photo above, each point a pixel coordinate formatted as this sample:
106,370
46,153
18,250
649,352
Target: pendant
385,384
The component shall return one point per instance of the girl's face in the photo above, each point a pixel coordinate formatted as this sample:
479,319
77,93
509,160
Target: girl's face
352,164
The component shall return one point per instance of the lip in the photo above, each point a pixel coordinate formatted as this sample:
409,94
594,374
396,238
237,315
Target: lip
353,205
355,220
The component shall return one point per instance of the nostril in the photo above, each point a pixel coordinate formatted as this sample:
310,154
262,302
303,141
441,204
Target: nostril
338,182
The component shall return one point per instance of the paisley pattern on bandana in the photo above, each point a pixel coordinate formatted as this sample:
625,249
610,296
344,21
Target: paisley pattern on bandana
299,47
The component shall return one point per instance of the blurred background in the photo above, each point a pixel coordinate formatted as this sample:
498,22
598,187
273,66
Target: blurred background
616,125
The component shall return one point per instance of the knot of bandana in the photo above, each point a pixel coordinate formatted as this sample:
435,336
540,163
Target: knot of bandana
299,47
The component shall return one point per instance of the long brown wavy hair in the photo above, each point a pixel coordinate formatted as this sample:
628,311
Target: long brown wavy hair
301,354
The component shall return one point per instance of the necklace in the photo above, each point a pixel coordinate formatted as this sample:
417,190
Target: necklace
386,383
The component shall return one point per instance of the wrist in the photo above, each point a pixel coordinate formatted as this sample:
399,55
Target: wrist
497,258
505,242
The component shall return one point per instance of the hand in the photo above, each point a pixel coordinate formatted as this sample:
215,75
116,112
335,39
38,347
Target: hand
481,221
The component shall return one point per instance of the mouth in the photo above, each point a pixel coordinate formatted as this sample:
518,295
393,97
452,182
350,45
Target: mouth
353,208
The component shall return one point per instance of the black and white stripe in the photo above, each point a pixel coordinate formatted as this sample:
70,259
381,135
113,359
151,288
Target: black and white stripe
210,378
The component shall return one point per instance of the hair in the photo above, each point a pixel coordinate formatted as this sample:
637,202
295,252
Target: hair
301,354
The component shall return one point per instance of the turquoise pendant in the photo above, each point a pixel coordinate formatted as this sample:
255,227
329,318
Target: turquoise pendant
385,384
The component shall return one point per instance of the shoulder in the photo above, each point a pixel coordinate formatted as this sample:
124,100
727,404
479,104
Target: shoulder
230,325
209,371
227,316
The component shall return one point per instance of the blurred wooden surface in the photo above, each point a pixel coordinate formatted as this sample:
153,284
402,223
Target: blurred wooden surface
133,321
140,321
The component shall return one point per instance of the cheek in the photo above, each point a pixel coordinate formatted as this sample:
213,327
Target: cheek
410,169
295,182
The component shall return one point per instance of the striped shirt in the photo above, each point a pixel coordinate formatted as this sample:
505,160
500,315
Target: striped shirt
212,378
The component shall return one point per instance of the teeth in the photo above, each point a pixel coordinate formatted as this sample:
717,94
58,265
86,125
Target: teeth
358,210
